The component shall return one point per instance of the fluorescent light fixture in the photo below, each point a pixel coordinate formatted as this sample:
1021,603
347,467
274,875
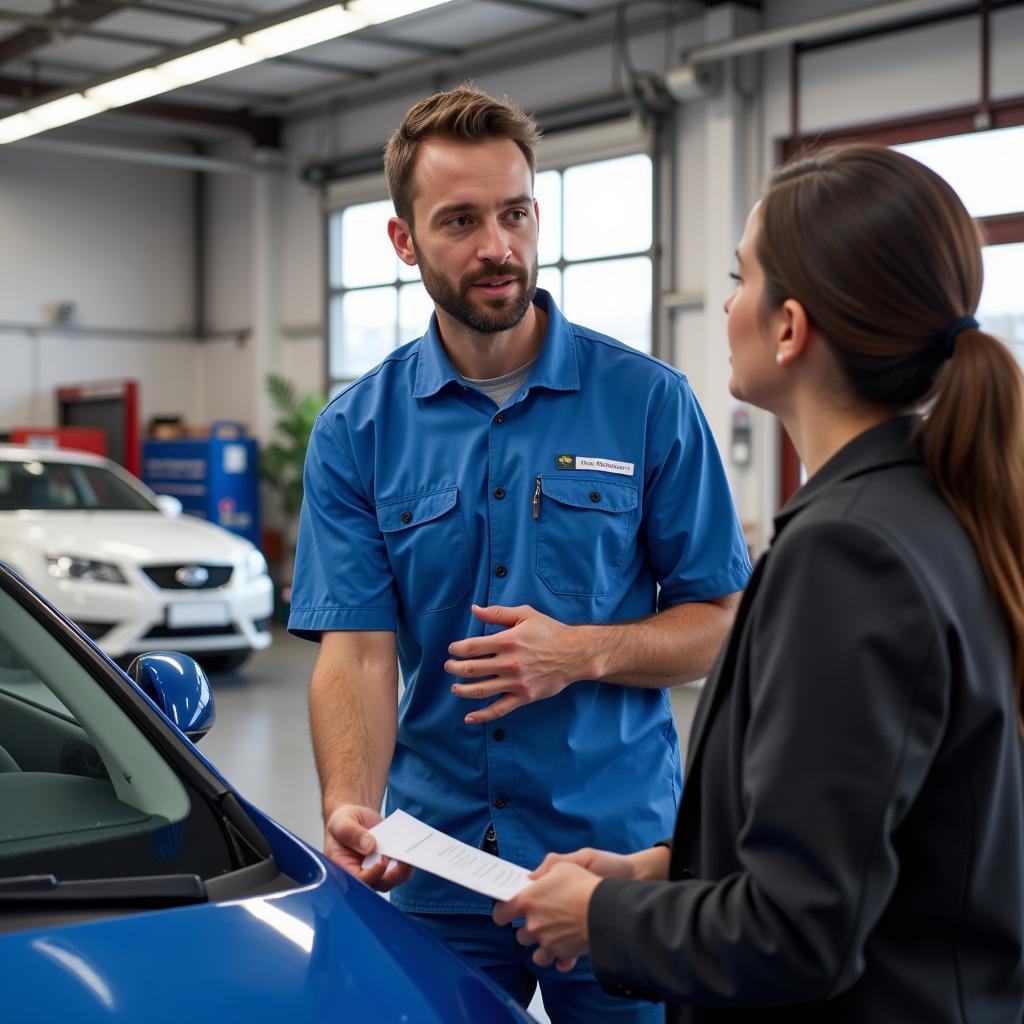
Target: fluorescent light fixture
203,64
318,26
130,89
18,126
377,11
308,30
46,116
65,110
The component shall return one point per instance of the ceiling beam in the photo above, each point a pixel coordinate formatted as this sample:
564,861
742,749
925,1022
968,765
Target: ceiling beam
31,38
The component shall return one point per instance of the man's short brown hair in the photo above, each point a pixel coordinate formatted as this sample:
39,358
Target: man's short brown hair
467,114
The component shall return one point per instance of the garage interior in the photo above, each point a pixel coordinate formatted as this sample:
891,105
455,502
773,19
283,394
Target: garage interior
214,235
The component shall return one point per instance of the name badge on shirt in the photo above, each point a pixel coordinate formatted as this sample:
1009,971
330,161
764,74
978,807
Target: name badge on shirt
591,463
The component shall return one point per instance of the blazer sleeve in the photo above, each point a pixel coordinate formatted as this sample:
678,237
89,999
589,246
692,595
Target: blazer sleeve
848,696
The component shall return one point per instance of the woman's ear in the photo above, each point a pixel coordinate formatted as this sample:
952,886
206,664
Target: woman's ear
400,234
792,332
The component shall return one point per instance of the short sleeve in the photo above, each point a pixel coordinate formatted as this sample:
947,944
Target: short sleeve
693,536
342,578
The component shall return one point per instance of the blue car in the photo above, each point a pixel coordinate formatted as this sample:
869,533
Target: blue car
137,885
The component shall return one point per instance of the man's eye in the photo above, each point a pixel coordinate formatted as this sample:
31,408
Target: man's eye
736,277
518,214
458,222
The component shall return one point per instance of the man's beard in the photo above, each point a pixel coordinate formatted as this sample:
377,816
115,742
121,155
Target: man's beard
457,302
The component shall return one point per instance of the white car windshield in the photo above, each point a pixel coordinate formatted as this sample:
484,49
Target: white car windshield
67,486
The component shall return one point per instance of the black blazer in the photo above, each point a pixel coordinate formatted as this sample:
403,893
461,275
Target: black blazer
850,841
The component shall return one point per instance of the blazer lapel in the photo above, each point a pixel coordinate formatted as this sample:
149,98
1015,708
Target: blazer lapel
723,672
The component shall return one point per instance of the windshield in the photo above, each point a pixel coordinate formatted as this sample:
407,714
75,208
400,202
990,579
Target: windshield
67,486
83,792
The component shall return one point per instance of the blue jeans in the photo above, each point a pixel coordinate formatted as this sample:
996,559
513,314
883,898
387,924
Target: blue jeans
571,998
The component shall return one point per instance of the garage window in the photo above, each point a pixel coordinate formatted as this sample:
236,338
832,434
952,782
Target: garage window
985,170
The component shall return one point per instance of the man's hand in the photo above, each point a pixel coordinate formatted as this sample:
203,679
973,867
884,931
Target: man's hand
532,659
555,908
347,842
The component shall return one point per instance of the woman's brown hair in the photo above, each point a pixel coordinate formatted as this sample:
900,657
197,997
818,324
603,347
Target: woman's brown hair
885,259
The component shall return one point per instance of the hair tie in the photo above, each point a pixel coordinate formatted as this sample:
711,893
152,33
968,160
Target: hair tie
965,323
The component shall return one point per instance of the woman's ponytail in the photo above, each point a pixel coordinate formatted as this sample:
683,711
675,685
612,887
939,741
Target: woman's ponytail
971,438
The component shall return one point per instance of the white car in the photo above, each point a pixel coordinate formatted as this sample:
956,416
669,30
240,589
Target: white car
132,572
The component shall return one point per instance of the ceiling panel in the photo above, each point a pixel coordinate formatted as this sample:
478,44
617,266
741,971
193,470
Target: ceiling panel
95,53
356,52
40,7
459,26
278,78
173,30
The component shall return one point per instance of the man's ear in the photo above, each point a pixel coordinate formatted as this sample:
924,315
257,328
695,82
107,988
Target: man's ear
400,233
792,330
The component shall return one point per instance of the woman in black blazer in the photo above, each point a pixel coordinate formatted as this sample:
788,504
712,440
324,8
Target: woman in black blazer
850,841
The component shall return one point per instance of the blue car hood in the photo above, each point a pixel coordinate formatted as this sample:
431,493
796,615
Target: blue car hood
332,950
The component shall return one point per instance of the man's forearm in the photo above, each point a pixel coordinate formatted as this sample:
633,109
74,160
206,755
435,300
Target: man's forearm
675,646
353,710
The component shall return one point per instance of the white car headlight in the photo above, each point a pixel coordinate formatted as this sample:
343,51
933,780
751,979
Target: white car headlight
65,567
255,564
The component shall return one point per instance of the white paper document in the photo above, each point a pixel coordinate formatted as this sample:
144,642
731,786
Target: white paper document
402,837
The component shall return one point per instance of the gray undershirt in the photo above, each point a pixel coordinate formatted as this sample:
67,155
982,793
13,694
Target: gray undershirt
500,389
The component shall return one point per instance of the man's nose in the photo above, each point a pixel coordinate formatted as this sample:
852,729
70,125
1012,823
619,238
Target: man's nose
493,246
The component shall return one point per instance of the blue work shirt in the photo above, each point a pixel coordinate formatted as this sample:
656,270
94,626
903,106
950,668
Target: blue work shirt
593,484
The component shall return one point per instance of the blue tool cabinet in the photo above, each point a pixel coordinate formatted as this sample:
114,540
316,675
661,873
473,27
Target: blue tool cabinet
215,478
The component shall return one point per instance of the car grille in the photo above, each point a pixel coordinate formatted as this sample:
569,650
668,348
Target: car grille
164,576
164,632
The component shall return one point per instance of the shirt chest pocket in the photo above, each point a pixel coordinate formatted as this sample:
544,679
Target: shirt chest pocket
584,529
426,540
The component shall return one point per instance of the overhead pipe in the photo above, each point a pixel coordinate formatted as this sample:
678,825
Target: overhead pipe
270,164
821,28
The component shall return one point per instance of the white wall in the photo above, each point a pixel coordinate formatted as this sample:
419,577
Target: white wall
264,279
115,240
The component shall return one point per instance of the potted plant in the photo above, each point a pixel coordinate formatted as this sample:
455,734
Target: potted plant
282,461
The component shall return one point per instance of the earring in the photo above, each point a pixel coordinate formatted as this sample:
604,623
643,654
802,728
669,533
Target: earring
778,357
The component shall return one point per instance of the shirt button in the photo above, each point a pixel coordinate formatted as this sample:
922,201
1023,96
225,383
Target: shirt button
499,734
499,493
500,802
595,496
501,572
406,517
500,418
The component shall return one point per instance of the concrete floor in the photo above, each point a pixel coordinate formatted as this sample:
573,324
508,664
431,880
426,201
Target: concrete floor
260,739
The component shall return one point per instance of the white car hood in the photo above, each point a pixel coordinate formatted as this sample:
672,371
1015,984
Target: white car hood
141,538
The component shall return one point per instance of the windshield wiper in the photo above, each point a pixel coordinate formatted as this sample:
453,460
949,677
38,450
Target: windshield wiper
141,891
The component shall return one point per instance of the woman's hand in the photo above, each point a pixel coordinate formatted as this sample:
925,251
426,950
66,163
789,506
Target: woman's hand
646,864
555,908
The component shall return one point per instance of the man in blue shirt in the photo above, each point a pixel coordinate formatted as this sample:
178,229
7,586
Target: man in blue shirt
536,517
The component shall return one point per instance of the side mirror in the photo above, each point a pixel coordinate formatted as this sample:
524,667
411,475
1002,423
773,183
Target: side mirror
169,505
178,687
